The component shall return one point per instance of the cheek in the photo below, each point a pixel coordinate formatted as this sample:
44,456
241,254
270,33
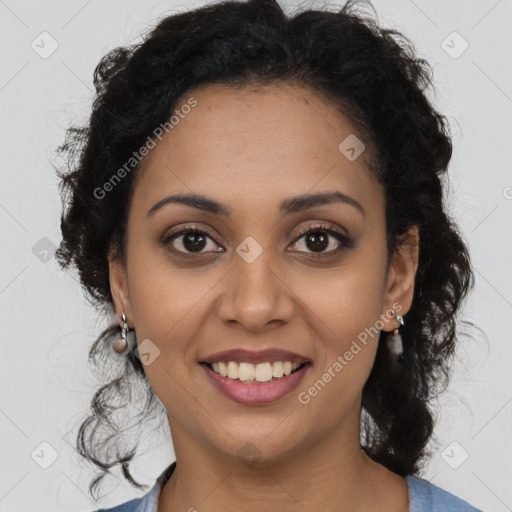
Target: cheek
347,320
351,333
344,310
345,301
165,300
169,308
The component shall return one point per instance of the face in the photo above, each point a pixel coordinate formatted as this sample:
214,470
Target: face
251,279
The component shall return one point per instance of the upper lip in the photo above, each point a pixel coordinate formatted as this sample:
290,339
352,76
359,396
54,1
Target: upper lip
241,355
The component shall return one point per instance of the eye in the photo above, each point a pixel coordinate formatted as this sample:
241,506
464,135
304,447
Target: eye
319,238
191,240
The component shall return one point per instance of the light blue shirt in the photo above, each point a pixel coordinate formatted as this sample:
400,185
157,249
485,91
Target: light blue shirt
423,497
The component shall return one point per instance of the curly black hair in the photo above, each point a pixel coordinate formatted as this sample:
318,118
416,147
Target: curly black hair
374,76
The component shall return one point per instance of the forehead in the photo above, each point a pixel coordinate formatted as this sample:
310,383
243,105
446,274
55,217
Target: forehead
264,142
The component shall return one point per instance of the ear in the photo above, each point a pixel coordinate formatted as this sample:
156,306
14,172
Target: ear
399,289
119,288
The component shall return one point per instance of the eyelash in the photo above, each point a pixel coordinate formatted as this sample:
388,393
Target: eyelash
346,242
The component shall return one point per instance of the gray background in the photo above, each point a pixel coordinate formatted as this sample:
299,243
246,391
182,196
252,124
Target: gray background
48,325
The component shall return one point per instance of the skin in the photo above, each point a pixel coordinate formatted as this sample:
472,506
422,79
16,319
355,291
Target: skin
249,150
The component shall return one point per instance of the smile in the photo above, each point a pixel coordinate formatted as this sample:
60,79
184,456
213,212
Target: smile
251,373
252,384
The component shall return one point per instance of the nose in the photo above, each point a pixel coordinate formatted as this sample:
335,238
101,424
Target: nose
256,296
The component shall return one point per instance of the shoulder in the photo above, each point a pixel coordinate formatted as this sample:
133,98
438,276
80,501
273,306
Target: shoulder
424,496
145,504
129,506
148,502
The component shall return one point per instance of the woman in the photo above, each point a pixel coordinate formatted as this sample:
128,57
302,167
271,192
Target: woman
257,199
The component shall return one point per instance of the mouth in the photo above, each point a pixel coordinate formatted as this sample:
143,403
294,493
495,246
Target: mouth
252,384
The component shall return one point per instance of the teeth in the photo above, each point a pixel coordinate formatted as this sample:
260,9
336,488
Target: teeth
232,370
248,372
278,369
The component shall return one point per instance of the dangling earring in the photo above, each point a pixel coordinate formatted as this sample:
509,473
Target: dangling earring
394,340
123,345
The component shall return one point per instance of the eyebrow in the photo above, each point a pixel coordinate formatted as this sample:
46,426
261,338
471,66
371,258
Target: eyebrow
288,206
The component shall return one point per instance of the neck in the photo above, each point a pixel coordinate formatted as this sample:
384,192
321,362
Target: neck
331,475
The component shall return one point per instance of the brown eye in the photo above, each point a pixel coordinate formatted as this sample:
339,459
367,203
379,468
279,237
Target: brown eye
319,238
317,241
194,241
190,241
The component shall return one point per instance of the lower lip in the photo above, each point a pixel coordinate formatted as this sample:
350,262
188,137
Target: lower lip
256,393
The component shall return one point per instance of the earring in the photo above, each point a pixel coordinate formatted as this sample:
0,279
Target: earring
394,340
124,344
